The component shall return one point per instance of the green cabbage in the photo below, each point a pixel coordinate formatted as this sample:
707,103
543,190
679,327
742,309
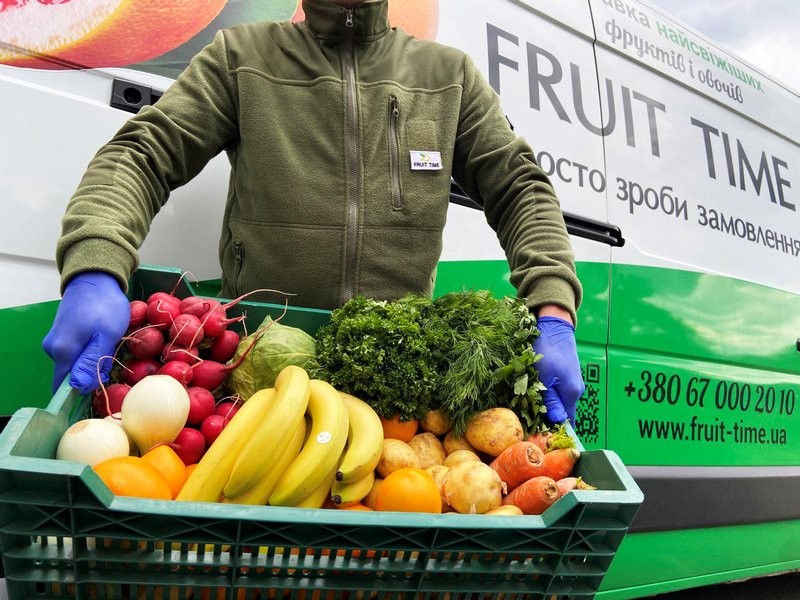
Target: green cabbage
278,347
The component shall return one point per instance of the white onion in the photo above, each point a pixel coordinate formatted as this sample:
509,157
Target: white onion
92,441
116,419
154,411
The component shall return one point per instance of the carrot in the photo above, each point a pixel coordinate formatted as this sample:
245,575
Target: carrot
533,496
519,462
559,463
540,438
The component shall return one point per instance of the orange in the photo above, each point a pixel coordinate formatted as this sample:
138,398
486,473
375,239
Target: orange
133,476
399,430
99,33
409,490
166,460
420,18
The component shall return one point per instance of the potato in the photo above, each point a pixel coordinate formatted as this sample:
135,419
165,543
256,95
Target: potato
428,448
460,456
506,509
473,487
493,430
438,472
396,455
435,421
452,443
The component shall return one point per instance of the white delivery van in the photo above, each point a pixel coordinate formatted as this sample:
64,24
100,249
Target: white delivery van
678,167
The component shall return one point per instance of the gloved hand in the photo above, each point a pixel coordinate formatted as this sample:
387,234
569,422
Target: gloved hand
91,319
559,369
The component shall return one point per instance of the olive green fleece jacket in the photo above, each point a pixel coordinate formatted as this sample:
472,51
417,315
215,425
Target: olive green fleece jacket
321,121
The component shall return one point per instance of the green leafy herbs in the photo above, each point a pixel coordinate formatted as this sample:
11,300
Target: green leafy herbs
490,361
462,352
378,351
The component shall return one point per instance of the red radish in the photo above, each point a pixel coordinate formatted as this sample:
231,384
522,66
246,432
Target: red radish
162,297
223,348
196,305
189,445
146,342
162,312
179,369
202,404
138,314
559,463
137,369
186,330
227,409
211,427
175,352
211,374
216,320
533,496
108,400
519,462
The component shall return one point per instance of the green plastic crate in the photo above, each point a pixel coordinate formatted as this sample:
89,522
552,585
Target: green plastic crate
64,535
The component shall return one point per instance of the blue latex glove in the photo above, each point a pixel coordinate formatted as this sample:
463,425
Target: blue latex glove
559,368
91,319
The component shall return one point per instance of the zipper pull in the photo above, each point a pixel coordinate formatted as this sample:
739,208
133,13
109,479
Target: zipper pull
237,251
349,19
393,106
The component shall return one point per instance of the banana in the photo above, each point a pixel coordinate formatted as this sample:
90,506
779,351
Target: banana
259,493
364,441
345,494
209,477
321,453
317,498
268,442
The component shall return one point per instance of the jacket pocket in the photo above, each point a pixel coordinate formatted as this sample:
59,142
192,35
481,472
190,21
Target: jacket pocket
394,153
238,258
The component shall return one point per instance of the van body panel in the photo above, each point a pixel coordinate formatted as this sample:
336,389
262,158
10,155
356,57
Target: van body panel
688,331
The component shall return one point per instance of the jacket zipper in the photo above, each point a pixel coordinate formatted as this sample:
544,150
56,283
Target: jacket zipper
238,257
351,153
394,152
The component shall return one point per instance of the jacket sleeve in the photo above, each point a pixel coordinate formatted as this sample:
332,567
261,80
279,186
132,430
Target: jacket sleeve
498,170
130,178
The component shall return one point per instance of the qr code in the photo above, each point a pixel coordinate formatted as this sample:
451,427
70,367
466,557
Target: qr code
587,425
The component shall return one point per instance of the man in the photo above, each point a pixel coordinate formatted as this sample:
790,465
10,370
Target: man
343,135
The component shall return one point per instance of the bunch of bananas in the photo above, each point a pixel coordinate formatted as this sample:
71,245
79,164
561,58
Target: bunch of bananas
298,444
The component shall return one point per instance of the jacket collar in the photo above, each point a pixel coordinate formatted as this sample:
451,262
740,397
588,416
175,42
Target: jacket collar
328,20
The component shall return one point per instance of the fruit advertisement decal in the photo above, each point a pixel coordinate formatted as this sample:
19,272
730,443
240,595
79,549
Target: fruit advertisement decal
159,36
